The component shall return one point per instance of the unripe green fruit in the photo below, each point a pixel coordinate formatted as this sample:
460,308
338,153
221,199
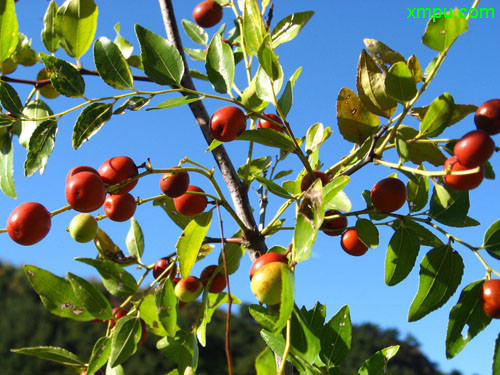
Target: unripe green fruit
83,228
8,66
187,290
48,91
266,283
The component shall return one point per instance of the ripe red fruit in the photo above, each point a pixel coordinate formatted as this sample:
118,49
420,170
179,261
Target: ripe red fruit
173,185
207,13
490,298
487,117
227,123
334,227
265,124
219,281
307,180
28,223
388,195
81,168
118,313
161,265
85,191
187,290
265,259
120,207
144,332
462,182
191,204
351,243
117,170
474,148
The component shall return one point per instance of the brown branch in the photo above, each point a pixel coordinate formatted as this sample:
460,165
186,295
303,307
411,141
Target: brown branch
236,240
96,73
254,242
269,17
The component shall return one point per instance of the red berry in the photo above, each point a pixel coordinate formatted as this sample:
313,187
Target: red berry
191,204
187,290
173,185
117,170
85,191
81,168
388,195
227,123
144,332
265,124
490,298
207,13
219,281
118,313
351,243
462,182
265,259
29,223
307,180
334,227
487,117
474,148
161,265
120,207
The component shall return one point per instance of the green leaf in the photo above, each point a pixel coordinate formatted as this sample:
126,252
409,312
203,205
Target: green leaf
41,144
52,353
65,78
491,240
273,187
253,27
255,167
220,65
437,117
286,100
117,370
305,343
90,121
449,206
289,27
265,317
265,363
49,35
377,364
7,165
195,32
399,83
425,236
135,239
234,253
315,136
415,68
370,84
440,33
100,354
8,29
201,329
56,294
467,312
265,87
401,255
332,190
196,54
10,99
166,305
76,24
181,349
335,338
268,137
126,335
382,54
440,274
189,243
134,103
315,317
282,174
148,312
367,233
460,111
90,297
174,102
415,151
111,64
162,62
339,202
168,206
24,54
124,45
115,279
268,59
356,124
418,193
287,298
33,110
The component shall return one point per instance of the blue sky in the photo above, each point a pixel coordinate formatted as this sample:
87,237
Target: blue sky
327,50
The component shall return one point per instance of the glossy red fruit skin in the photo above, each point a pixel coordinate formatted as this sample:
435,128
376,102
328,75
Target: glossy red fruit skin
120,207
489,298
487,117
351,243
307,180
265,124
173,185
81,168
462,182
207,13
118,313
85,192
334,227
227,123
28,223
118,169
191,204
218,283
474,148
144,332
161,265
265,259
388,195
